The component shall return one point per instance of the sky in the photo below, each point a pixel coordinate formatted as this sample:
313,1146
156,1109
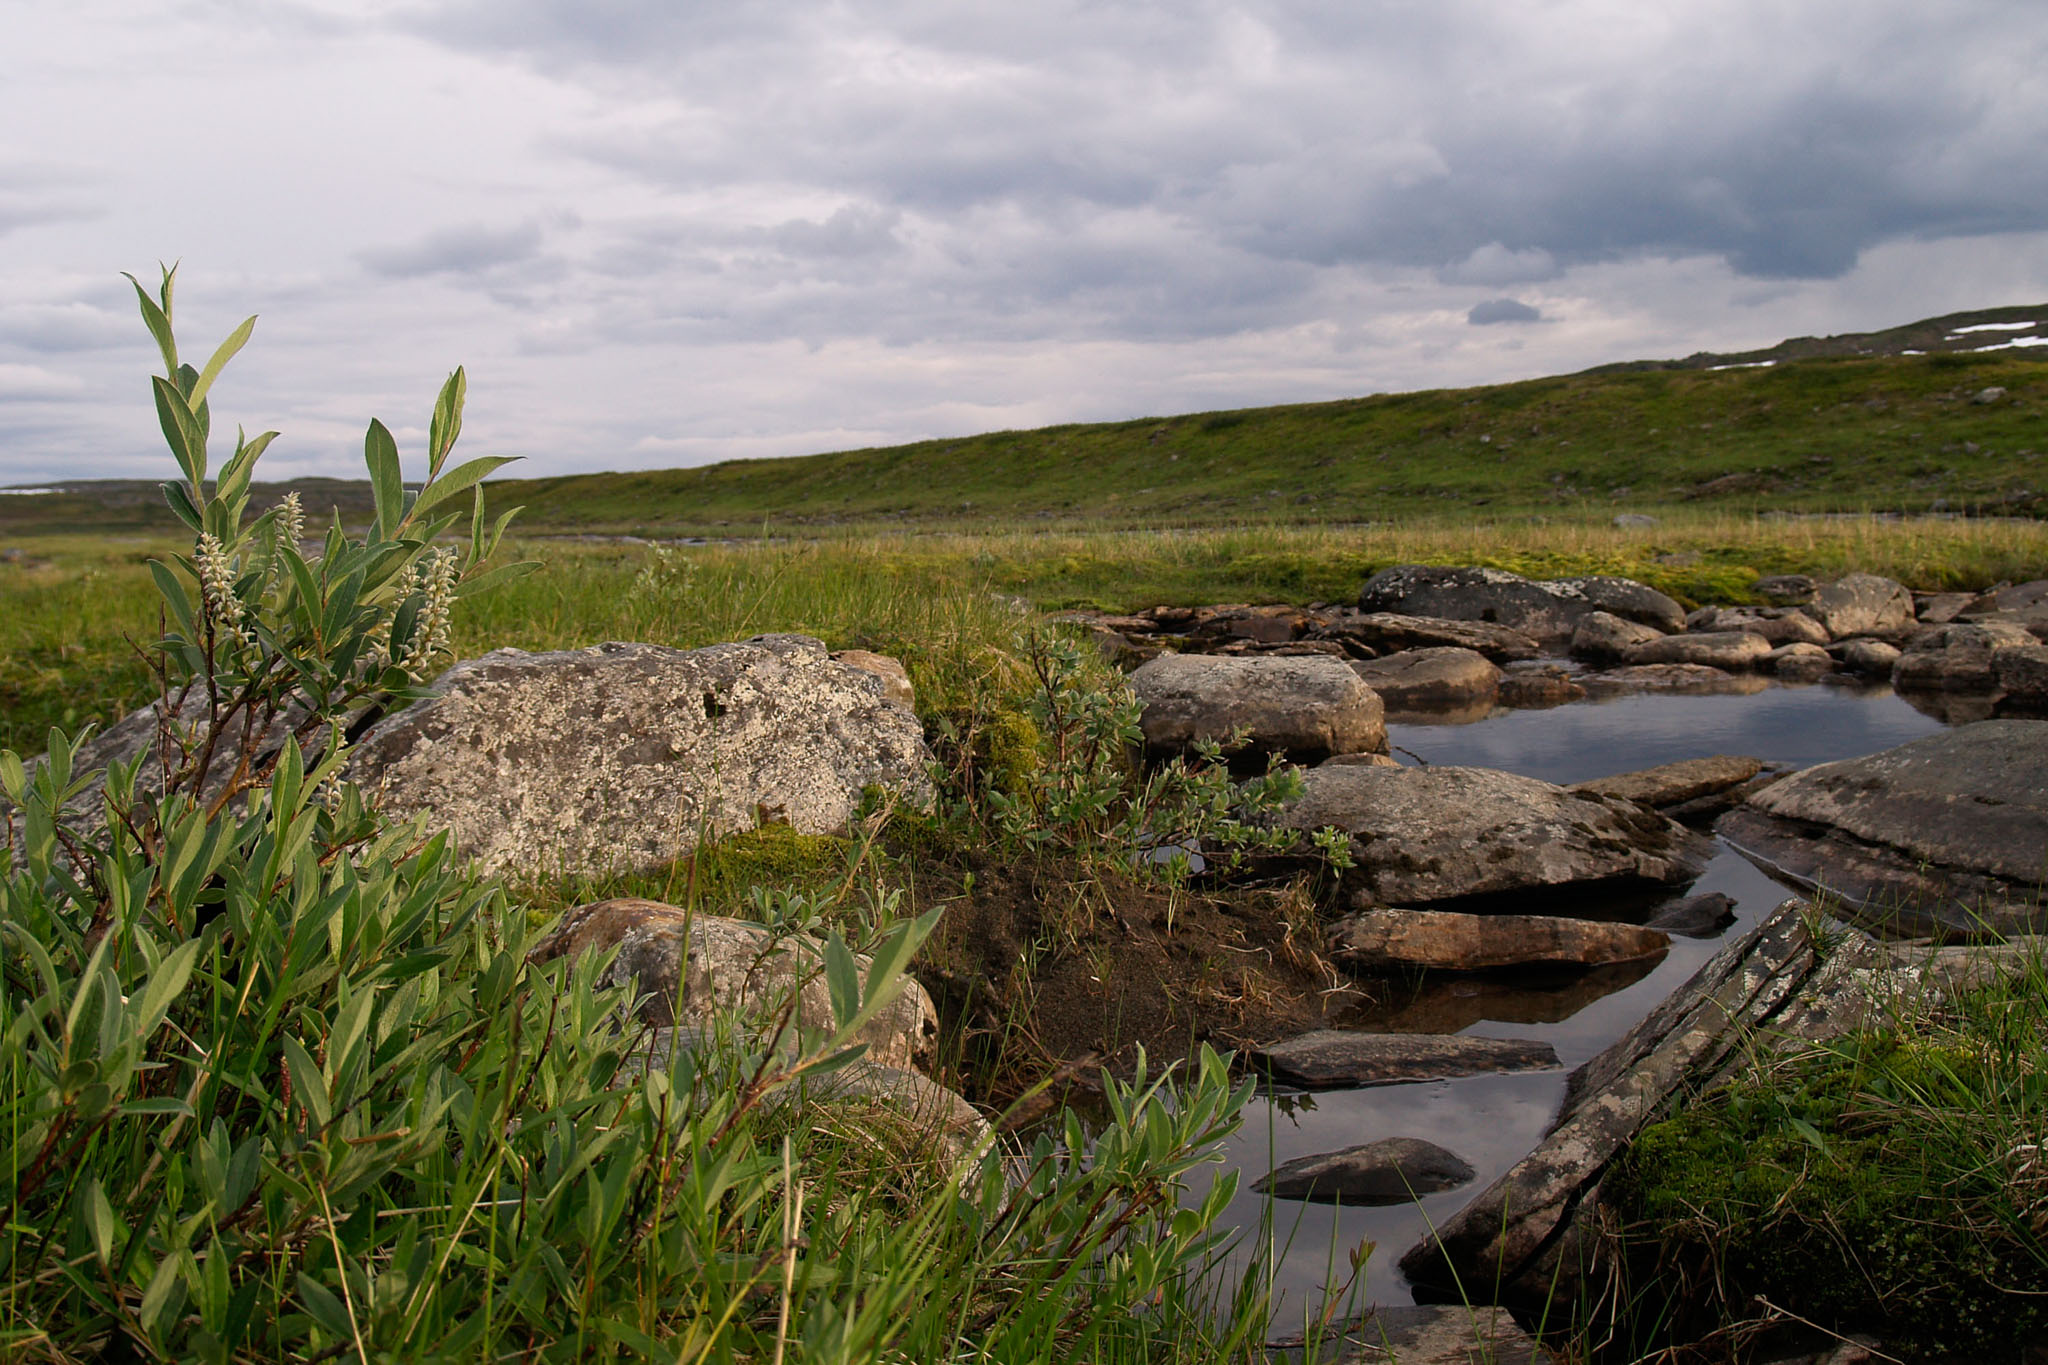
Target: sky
661,233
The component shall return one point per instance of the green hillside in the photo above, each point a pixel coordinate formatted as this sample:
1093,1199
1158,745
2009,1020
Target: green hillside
1904,433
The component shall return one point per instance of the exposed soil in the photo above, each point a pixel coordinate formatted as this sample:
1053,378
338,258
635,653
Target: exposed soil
1046,969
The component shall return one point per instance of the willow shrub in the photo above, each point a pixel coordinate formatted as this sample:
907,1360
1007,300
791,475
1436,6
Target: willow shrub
278,1081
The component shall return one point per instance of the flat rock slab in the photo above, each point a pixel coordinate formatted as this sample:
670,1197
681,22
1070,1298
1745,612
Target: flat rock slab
619,757
1307,708
1390,632
1419,679
1668,784
1949,832
1422,1334
1337,1059
1437,940
1547,609
1419,835
1389,1171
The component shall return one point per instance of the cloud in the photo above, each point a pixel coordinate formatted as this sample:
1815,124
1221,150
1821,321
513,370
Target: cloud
1501,310
1495,264
32,382
467,250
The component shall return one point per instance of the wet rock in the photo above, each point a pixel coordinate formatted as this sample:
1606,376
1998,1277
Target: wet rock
1306,708
1438,940
1786,589
1693,679
1385,632
1779,625
1548,610
1420,1335
1695,916
1422,679
1945,834
1862,604
1669,784
1389,1171
895,677
1958,658
1603,637
1331,1059
1531,1236
1732,651
1797,663
1870,658
1537,686
617,757
685,966
1419,835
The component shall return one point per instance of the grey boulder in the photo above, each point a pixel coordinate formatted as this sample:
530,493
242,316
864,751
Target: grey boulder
1958,658
621,756
1862,604
1603,637
1779,625
1421,835
1386,632
1732,651
1305,707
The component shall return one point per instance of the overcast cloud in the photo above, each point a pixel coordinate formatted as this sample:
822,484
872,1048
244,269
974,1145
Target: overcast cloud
664,234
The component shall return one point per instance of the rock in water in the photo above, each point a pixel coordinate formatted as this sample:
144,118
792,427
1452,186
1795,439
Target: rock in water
1695,916
1420,679
1668,784
1946,834
1389,632
684,966
1420,835
1437,940
1729,650
619,757
1389,1171
1307,707
1958,658
1332,1059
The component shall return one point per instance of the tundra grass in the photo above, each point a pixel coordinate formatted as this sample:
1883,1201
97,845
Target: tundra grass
1904,434
949,605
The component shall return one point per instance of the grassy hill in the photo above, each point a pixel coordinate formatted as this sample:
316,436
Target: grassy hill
1852,423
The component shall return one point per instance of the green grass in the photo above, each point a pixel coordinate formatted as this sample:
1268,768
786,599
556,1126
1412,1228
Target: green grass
1897,433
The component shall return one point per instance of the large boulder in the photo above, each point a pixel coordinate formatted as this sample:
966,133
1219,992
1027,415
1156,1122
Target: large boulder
1387,632
1306,707
1443,940
1863,604
685,967
1546,609
1946,834
1958,658
1732,651
1425,679
1422,835
622,756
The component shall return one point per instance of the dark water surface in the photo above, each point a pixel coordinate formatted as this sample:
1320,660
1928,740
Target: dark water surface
1493,1121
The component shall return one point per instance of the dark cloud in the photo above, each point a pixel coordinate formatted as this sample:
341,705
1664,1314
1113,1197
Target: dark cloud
468,250
1502,310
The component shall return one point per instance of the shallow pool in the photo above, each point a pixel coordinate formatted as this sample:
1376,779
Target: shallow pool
1493,1121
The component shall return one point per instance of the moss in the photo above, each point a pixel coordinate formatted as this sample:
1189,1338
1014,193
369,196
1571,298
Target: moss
773,855
1829,1196
1012,752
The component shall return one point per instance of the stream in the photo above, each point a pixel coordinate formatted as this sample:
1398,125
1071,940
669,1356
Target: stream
1493,1121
